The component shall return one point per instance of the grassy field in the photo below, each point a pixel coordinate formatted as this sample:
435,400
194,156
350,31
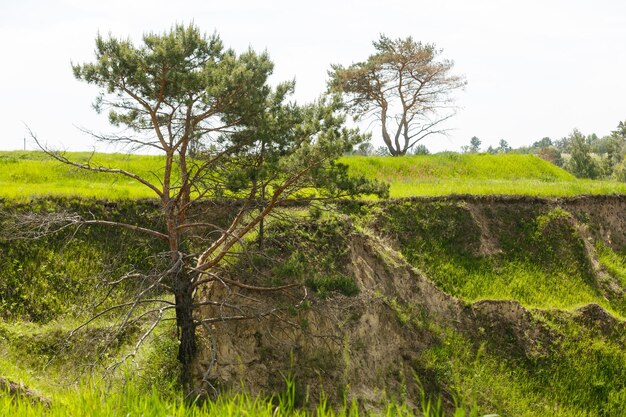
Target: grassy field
450,173
33,174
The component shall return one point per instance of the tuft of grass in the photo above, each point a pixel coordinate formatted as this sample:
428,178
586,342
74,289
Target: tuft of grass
341,283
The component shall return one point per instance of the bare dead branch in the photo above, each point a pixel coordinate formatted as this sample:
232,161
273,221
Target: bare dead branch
242,285
132,227
37,225
113,308
257,316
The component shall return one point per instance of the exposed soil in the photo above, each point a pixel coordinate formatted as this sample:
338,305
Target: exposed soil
596,317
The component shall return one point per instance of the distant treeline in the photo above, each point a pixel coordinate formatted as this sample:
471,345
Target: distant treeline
585,156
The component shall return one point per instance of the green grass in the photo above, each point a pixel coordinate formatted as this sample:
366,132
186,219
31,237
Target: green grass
539,260
454,166
449,173
24,175
131,402
146,387
530,284
583,376
613,263
539,263
528,187
33,174
41,279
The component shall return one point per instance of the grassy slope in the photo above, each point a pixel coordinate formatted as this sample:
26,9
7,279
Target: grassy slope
28,174
41,279
583,375
539,260
444,174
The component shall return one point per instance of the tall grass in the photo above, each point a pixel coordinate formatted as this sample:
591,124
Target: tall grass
130,401
581,378
147,385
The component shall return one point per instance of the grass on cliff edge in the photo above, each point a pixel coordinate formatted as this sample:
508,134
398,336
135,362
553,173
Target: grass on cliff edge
33,174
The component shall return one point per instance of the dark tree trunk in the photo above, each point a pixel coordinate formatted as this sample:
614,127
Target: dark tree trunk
186,329
261,234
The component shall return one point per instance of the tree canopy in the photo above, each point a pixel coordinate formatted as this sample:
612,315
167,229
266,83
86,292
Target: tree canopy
405,85
474,144
581,163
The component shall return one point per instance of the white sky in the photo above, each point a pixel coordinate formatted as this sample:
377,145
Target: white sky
534,68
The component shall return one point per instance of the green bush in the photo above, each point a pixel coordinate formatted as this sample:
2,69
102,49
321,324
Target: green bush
619,172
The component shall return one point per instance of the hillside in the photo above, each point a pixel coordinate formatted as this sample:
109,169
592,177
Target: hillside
499,301
511,305
508,304
32,174
457,166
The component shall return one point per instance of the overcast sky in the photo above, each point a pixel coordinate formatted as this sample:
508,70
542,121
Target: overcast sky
534,68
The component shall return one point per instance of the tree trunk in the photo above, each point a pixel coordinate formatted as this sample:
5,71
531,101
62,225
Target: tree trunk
186,329
262,222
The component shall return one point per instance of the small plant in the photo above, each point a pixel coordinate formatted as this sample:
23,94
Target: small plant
287,399
293,267
323,285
